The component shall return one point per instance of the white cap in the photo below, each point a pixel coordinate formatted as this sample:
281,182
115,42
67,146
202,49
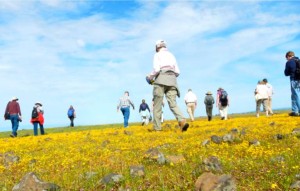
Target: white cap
160,43
14,98
38,103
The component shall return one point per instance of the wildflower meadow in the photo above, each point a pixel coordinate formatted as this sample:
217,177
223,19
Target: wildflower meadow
263,154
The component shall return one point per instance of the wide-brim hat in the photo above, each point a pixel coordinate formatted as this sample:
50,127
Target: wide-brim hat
209,93
14,98
160,43
38,103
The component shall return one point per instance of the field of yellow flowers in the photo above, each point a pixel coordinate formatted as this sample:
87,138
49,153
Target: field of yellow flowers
67,158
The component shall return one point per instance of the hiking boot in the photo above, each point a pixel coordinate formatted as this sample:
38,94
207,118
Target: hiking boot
293,114
183,125
11,135
143,123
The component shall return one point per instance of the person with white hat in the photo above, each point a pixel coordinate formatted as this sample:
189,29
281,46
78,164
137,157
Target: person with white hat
164,79
15,116
209,102
37,118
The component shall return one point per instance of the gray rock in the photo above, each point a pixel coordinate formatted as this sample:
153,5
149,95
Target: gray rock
9,158
205,142
254,143
296,131
278,136
228,138
137,171
212,163
155,155
216,139
112,178
31,182
295,185
128,132
210,182
175,159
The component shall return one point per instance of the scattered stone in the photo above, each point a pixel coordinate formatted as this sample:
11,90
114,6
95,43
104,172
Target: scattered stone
296,184
254,143
137,171
89,175
272,124
243,132
127,132
105,143
278,136
296,131
48,139
278,159
228,138
216,139
205,142
212,163
112,178
9,158
210,182
155,155
31,182
175,159
234,131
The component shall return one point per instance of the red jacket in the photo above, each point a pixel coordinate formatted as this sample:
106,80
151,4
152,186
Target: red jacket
39,119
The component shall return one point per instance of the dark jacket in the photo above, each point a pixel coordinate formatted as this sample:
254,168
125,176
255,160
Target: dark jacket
290,68
143,107
13,107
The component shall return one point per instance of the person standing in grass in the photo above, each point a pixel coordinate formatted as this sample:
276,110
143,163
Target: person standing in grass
164,79
261,96
222,103
124,106
71,115
15,116
190,100
37,118
143,112
209,102
290,70
270,94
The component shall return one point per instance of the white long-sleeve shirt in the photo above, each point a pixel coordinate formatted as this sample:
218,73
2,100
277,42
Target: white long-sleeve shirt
190,97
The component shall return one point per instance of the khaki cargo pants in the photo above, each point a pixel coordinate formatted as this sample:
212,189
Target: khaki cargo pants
158,95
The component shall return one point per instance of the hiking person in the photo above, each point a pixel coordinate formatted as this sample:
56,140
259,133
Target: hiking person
270,94
71,115
37,118
190,100
222,103
261,96
143,112
124,106
209,102
164,74
290,70
15,116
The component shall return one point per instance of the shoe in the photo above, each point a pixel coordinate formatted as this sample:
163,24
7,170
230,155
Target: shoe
293,114
183,125
222,118
11,135
143,123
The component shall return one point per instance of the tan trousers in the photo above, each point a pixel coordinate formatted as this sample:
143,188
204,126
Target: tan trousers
191,109
270,105
158,95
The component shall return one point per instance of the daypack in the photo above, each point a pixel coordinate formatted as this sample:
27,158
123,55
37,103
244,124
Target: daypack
297,72
223,98
210,100
70,112
34,113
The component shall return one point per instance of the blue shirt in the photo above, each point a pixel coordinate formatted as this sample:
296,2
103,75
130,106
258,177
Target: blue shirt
290,68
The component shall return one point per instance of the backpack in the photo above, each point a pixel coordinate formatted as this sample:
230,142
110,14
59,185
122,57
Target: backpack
223,98
34,113
70,112
297,72
210,101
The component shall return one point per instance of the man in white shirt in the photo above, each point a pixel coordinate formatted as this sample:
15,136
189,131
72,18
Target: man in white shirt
191,103
270,94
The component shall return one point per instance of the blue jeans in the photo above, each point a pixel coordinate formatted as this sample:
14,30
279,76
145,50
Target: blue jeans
126,113
14,123
295,88
35,128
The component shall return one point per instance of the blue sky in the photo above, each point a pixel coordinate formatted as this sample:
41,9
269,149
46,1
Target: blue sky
87,53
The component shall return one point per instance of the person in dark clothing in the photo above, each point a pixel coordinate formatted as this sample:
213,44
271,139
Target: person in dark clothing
209,102
71,115
290,69
143,112
15,116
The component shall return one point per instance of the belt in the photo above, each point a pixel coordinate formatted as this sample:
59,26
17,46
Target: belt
190,102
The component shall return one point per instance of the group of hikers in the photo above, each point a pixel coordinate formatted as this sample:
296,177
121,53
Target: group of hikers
13,113
163,77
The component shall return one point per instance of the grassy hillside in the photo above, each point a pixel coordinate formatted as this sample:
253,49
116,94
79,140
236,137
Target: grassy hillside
77,158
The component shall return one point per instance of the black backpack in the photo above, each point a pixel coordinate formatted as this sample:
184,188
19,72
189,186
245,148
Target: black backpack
223,98
297,72
34,113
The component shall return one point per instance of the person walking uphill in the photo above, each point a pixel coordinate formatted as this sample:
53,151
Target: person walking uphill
14,111
124,106
209,102
223,103
143,107
290,70
71,115
165,73
191,102
37,118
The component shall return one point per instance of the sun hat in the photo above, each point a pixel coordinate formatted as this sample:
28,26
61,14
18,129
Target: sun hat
160,43
38,103
209,93
265,80
220,88
14,98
